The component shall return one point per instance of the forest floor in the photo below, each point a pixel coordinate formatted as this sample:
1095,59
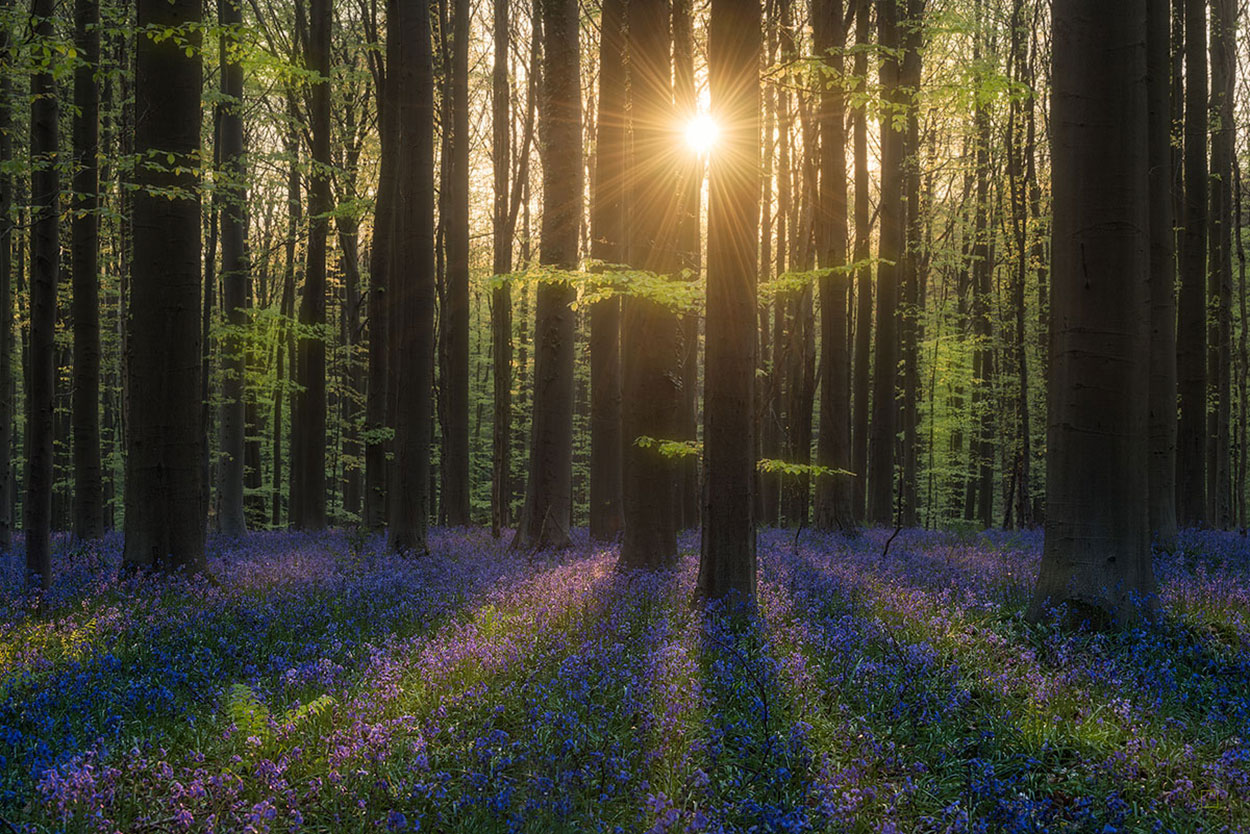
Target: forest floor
319,684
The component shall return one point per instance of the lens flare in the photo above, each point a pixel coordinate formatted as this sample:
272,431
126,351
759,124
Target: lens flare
701,133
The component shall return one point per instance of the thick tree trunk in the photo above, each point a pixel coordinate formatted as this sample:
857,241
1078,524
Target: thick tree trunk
411,282
454,318
1162,474
1191,325
84,258
910,318
1220,267
548,496
235,279
728,558
690,188
863,282
45,194
607,239
650,335
7,390
164,517
501,296
1096,560
890,250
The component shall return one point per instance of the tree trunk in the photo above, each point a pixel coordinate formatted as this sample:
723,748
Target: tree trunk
7,390
890,250
1191,325
1162,474
1096,560
913,307
1220,268
411,282
728,553
863,283
501,296
164,518
688,233
607,238
235,279
84,258
650,336
548,500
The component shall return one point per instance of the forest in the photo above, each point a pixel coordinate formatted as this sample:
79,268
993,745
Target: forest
624,415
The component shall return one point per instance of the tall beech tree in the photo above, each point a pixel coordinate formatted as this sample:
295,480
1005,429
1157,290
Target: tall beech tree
544,521
84,260
501,295
650,336
1191,321
7,388
863,275
45,194
1223,52
235,274
1096,559
411,288
607,239
727,563
164,523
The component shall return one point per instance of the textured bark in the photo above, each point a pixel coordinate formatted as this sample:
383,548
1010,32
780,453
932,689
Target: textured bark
1191,324
728,552
889,251
1162,474
84,259
650,336
164,519
501,296
235,280
690,188
308,432
411,281
863,275
7,390
607,239
833,494
544,519
45,192
911,272
1096,559
454,317
1220,263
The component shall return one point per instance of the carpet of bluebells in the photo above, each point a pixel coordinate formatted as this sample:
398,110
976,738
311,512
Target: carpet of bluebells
317,683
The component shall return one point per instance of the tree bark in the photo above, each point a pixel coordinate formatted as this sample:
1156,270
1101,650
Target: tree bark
728,552
1096,560
501,295
164,521
863,279
7,390
1220,267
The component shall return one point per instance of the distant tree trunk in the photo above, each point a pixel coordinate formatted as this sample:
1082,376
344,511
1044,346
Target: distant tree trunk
1243,355
548,496
768,422
164,518
728,557
890,250
84,257
607,239
501,296
454,319
1223,53
863,284
7,458
650,335
1097,552
1162,474
379,303
833,494
690,181
235,278
411,283
1191,324
308,434
45,194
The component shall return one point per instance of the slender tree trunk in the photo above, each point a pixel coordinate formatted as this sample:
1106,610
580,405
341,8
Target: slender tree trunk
411,284
890,251
1220,267
728,558
690,189
1191,325
768,422
454,318
45,193
7,456
84,258
548,500
607,239
650,335
1162,474
235,277
501,295
1097,553
833,494
377,424
910,318
164,516
863,283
